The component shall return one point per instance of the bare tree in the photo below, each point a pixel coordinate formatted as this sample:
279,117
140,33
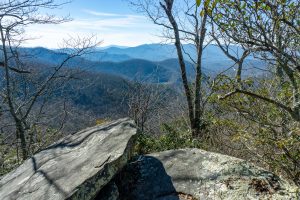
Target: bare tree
145,101
27,87
183,23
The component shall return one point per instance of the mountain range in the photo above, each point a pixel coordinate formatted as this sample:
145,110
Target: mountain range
153,63
213,57
102,89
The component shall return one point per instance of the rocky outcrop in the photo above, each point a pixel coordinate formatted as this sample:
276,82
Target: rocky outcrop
76,167
195,174
93,164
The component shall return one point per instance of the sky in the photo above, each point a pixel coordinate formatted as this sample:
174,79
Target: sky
114,22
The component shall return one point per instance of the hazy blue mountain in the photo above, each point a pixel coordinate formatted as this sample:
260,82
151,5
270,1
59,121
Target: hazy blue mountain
214,59
142,62
153,52
118,46
160,52
42,55
137,69
102,56
166,71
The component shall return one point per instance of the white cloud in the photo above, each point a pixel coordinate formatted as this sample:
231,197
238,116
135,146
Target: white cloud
105,14
112,28
100,24
95,13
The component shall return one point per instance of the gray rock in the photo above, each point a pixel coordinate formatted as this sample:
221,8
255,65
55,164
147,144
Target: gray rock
109,192
197,174
76,167
145,178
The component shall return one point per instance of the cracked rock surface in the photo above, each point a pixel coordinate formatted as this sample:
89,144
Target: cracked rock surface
194,174
76,167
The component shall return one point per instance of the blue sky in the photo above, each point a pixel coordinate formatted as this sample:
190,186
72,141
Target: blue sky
113,21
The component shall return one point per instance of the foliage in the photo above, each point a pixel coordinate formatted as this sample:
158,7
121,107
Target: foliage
260,114
174,136
8,159
269,136
9,150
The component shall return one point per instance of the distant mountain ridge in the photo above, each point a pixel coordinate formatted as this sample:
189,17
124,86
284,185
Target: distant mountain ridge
213,58
166,71
149,62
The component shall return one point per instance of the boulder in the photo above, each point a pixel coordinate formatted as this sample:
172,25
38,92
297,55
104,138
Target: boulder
195,174
145,178
109,192
76,167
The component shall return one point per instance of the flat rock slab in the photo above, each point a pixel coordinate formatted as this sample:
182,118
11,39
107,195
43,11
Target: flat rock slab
76,167
195,174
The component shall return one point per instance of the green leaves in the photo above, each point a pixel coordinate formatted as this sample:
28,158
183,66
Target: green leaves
243,5
202,13
206,3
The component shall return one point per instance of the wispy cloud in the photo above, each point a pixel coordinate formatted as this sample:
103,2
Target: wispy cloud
103,24
106,14
103,14
113,28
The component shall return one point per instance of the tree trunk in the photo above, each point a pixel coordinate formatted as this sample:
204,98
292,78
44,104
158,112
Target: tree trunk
21,135
168,10
238,75
199,43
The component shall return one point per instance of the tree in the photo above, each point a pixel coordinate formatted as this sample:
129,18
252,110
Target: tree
27,87
184,22
232,50
147,104
272,29
267,108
